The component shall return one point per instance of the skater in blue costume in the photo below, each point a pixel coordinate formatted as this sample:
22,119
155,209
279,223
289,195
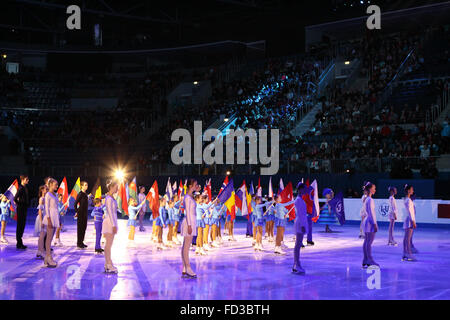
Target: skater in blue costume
327,217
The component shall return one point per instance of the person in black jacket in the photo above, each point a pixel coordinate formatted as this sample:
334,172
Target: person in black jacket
81,209
22,201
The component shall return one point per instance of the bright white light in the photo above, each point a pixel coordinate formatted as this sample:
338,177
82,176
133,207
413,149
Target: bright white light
195,83
226,119
347,62
4,56
228,173
119,174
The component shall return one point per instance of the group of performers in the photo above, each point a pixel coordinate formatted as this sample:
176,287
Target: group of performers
199,220
369,225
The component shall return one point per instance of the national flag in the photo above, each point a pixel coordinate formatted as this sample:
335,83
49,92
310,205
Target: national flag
307,197
121,198
64,190
249,205
127,191
207,189
174,188
153,199
76,189
337,206
316,208
231,206
280,187
180,189
224,184
132,189
286,196
241,199
185,187
259,189
169,191
252,189
10,194
98,193
225,194
270,195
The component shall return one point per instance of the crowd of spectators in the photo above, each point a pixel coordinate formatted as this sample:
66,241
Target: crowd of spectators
348,127
269,98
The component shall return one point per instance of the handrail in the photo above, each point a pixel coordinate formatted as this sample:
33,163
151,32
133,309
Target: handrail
387,91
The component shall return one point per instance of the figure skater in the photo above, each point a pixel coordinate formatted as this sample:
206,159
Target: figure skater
170,223
215,224
98,212
362,212
176,219
40,212
62,209
393,213
300,226
188,227
270,221
370,226
201,210
133,211
409,225
143,210
39,219
281,214
50,222
109,227
208,222
230,229
249,231
309,214
326,216
4,216
259,220
161,222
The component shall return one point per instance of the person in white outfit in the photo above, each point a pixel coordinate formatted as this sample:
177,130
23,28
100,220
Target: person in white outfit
50,222
109,226
189,227
393,214
370,226
362,213
409,225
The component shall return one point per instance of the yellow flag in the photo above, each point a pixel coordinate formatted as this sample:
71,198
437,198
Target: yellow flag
249,202
231,202
98,193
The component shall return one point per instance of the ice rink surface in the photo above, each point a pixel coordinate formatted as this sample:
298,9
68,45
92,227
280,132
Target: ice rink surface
233,271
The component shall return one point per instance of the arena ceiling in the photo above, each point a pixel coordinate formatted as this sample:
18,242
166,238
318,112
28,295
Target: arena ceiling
156,24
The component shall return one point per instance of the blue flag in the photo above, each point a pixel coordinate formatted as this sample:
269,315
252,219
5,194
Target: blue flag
252,189
226,192
337,207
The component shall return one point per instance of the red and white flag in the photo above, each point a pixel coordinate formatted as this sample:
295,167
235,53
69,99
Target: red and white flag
153,199
64,190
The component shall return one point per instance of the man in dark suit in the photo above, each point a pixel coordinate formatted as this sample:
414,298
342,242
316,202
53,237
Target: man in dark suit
81,208
22,201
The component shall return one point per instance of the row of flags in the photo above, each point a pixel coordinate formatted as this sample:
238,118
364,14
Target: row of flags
231,199
241,199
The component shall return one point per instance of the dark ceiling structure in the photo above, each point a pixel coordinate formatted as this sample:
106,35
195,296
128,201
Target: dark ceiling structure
155,24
